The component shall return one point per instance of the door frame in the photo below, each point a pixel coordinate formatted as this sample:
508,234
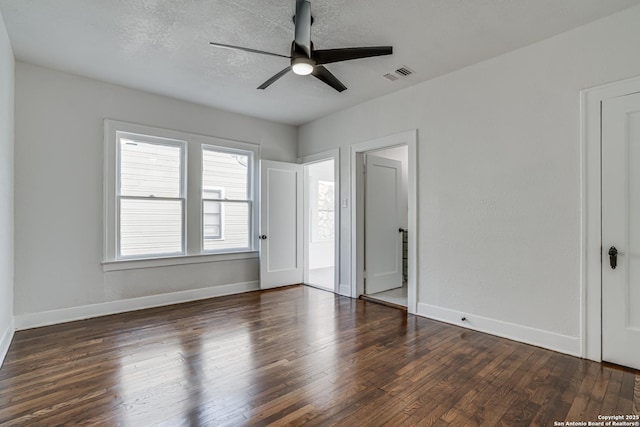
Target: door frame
591,205
334,155
408,138
371,234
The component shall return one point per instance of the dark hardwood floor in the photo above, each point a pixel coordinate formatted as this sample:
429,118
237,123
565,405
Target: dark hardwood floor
294,356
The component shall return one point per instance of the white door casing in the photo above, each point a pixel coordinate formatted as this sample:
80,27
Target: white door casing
355,205
281,197
621,229
306,161
383,241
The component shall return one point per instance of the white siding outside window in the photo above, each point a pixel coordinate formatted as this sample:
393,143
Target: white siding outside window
150,196
228,170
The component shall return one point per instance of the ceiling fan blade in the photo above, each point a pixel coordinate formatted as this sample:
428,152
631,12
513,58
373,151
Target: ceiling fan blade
325,75
246,49
303,26
274,78
327,56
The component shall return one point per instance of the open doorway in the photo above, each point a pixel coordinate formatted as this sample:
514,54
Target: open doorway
321,219
320,190
386,207
402,260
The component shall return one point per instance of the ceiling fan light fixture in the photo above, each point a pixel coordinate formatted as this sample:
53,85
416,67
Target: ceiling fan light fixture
302,66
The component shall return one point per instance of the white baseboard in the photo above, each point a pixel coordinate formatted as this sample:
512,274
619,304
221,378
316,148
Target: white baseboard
538,337
5,340
45,318
345,290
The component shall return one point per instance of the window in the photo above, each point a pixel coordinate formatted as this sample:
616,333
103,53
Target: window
172,194
325,206
150,196
226,198
212,214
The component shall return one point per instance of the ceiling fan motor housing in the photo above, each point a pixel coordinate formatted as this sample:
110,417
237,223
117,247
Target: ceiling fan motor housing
300,63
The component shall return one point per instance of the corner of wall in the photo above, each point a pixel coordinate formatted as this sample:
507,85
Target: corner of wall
5,340
7,108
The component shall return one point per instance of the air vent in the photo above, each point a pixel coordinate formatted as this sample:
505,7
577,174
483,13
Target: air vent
404,71
400,73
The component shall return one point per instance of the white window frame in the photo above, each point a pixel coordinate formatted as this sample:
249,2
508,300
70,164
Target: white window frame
182,145
251,195
192,213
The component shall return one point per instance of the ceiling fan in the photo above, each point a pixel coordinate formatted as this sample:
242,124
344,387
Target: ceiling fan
305,59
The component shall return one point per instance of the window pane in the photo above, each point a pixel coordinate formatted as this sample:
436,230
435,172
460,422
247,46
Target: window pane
232,221
148,169
324,228
212,220
150,227
227,171
323,216
326,198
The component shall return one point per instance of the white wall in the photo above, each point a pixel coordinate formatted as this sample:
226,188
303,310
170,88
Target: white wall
7,65
58,190
498,177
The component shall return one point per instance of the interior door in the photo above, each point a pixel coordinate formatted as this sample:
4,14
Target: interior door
383,240
280,224
621,230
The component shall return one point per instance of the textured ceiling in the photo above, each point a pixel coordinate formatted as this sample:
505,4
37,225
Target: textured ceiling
162,45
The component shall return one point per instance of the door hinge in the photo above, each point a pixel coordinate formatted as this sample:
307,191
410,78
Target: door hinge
364,274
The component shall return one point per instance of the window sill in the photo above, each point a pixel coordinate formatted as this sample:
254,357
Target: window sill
133,264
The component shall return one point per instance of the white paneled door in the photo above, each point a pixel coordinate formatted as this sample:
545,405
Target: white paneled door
383,239
621,230
280,235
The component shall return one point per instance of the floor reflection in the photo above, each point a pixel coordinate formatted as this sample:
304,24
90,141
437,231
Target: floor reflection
198,376
151,375
295,355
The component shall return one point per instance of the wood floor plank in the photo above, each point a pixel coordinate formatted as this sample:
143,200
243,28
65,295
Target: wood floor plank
549,394
295,356
581,400
628,395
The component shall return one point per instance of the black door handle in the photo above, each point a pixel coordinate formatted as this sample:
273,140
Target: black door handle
263,237
613,257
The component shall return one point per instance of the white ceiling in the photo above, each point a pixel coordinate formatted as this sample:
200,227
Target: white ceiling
162,45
